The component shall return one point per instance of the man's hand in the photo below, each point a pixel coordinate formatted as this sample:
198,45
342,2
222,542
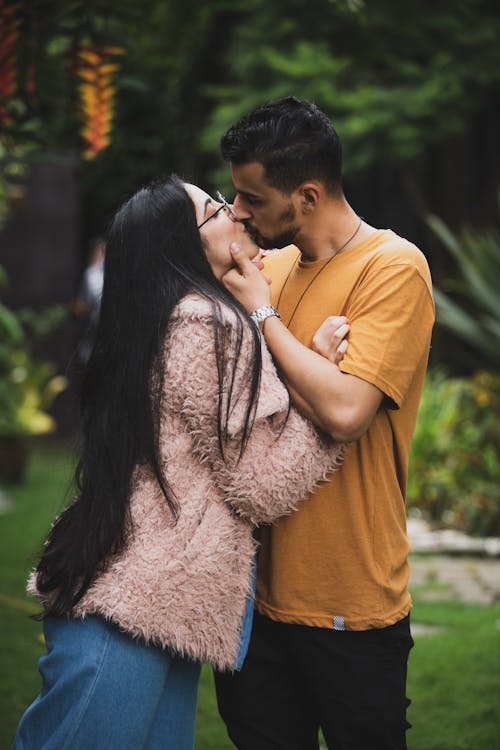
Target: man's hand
330,339
246,282
257,261
342,405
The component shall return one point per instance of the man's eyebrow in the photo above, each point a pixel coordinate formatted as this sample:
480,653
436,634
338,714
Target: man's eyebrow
246,194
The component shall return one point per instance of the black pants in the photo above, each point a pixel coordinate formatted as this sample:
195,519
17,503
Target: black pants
296,679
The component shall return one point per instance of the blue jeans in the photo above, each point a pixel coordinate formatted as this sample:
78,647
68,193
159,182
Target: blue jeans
105,691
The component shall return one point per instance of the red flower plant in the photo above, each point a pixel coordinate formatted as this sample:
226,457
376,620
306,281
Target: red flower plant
97,69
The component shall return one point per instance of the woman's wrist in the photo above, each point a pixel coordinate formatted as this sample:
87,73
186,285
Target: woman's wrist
260,314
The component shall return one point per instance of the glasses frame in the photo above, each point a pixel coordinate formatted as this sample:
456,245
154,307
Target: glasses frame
225,205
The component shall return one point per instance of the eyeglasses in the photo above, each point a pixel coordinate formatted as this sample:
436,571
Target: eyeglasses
225,205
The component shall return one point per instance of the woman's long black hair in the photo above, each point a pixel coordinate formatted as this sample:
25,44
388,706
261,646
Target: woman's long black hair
154,257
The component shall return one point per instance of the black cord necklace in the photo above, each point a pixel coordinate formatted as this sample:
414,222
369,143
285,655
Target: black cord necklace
315,275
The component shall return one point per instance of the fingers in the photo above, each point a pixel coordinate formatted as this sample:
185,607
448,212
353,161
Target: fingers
333,322
243,264
339,334
330,339
340,352
246,282
258,263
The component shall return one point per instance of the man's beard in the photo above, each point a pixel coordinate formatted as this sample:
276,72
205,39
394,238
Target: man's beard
285,237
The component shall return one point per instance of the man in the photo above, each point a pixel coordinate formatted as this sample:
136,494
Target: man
331,635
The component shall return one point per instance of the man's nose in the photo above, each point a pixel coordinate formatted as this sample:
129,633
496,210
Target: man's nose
240,212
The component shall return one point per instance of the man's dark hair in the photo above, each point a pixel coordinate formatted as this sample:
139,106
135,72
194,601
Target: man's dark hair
292,139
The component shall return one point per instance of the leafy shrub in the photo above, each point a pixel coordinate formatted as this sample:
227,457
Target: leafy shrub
28,385
468,305
455,460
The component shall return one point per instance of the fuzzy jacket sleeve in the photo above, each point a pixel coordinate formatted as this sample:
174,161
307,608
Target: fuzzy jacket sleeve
284,458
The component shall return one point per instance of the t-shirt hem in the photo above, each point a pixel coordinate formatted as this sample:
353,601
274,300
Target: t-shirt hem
327,621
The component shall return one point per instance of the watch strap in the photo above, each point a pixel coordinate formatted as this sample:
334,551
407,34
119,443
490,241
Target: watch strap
262,313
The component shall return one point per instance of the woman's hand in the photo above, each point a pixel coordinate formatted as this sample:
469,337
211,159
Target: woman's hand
246,282
330,339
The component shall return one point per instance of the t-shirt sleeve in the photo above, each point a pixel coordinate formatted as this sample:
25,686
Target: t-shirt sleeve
391,314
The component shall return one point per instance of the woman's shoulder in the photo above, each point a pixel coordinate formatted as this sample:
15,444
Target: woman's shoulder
193,306
198,308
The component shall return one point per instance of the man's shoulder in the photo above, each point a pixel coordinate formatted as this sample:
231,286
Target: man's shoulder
388,249
391,248
384,246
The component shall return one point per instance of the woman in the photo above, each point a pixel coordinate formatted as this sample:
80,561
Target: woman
188,443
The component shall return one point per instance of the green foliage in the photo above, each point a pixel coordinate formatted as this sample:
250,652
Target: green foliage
31,507
469,305
453,676
393,77
28,386
12,168
455,460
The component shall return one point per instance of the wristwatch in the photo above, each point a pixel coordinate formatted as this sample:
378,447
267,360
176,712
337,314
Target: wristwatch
262,313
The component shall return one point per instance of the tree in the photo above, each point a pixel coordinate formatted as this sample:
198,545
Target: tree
395,78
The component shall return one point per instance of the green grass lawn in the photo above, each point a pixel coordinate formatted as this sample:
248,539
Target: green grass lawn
454,677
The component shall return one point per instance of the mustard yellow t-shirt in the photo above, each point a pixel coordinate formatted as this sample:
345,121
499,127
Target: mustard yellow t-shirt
340,561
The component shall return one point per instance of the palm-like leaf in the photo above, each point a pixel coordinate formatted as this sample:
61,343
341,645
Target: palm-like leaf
474,316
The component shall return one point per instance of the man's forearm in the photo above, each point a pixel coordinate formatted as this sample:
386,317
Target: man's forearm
303,407
340,404
317,386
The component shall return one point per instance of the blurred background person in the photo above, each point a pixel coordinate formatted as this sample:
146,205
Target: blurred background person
85,306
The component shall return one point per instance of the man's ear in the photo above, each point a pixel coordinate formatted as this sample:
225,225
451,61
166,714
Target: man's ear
309,194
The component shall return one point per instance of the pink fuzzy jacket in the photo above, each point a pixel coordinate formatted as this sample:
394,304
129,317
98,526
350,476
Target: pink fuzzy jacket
183,585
